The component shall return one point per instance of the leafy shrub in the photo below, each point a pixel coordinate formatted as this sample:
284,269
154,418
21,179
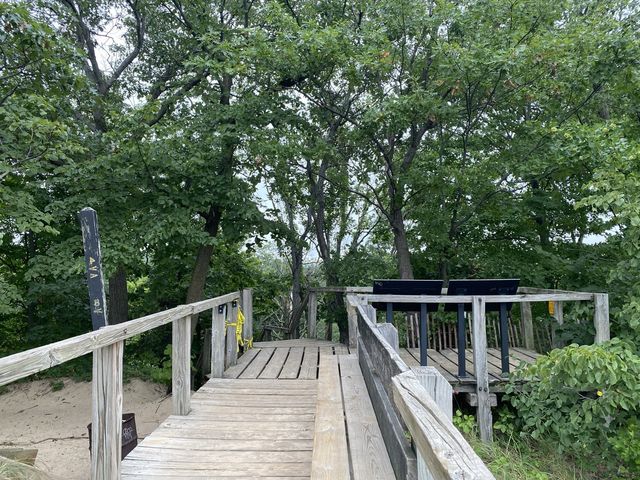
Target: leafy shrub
626,443
579,396
465,423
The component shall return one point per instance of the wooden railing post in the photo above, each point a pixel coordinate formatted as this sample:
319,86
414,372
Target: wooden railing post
217,342
106,414
312,314
231,357
181,366
485,422
352,317
601,317
371,313
390,334
441,392
526,323
246,302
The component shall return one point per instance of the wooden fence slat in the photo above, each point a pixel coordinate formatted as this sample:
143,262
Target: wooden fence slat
106,414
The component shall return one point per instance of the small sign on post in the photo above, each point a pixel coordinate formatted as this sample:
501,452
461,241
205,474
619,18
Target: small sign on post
93,260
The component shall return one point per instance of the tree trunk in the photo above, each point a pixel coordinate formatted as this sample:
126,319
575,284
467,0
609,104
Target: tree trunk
203,260
403,255
118,309
297,306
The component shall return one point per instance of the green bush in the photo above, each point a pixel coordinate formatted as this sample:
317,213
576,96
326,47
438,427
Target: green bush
578,397
626,443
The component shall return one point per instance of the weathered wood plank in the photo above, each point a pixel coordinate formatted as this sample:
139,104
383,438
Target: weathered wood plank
390,334
297,342
309,366
330,455
485,422
444,449
231,349
181,366
258,364
291,366
275,364
369,458
258,384
159,454
243,445
243,362
402,458
441,393
204,469
106,412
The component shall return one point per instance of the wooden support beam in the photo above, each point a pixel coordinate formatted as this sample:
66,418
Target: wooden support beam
217,342
526,325
106,412
472,399
312,314
601,317
485,422
181,366
246,302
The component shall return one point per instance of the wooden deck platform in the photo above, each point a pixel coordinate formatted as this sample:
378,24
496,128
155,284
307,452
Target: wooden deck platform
446,361
288,410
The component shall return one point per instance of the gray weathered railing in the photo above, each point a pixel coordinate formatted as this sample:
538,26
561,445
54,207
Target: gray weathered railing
401,402
107,345
526,296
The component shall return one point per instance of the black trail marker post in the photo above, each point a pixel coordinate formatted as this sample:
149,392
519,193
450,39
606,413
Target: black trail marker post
93,260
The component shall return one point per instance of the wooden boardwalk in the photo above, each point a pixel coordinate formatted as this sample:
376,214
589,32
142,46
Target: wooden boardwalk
446,362
288,410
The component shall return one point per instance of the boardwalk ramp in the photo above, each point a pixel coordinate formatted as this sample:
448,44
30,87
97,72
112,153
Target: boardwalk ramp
287,410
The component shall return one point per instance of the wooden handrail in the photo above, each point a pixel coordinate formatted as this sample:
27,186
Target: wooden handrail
446,453
107,345
23,364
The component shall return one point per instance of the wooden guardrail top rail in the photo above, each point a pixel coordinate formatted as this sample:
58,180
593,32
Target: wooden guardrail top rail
23,364
518,298
446,453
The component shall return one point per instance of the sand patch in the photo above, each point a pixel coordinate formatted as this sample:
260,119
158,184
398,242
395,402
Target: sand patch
34,416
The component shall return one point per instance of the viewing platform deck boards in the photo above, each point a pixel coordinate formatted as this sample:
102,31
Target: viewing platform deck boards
288,410
446,361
